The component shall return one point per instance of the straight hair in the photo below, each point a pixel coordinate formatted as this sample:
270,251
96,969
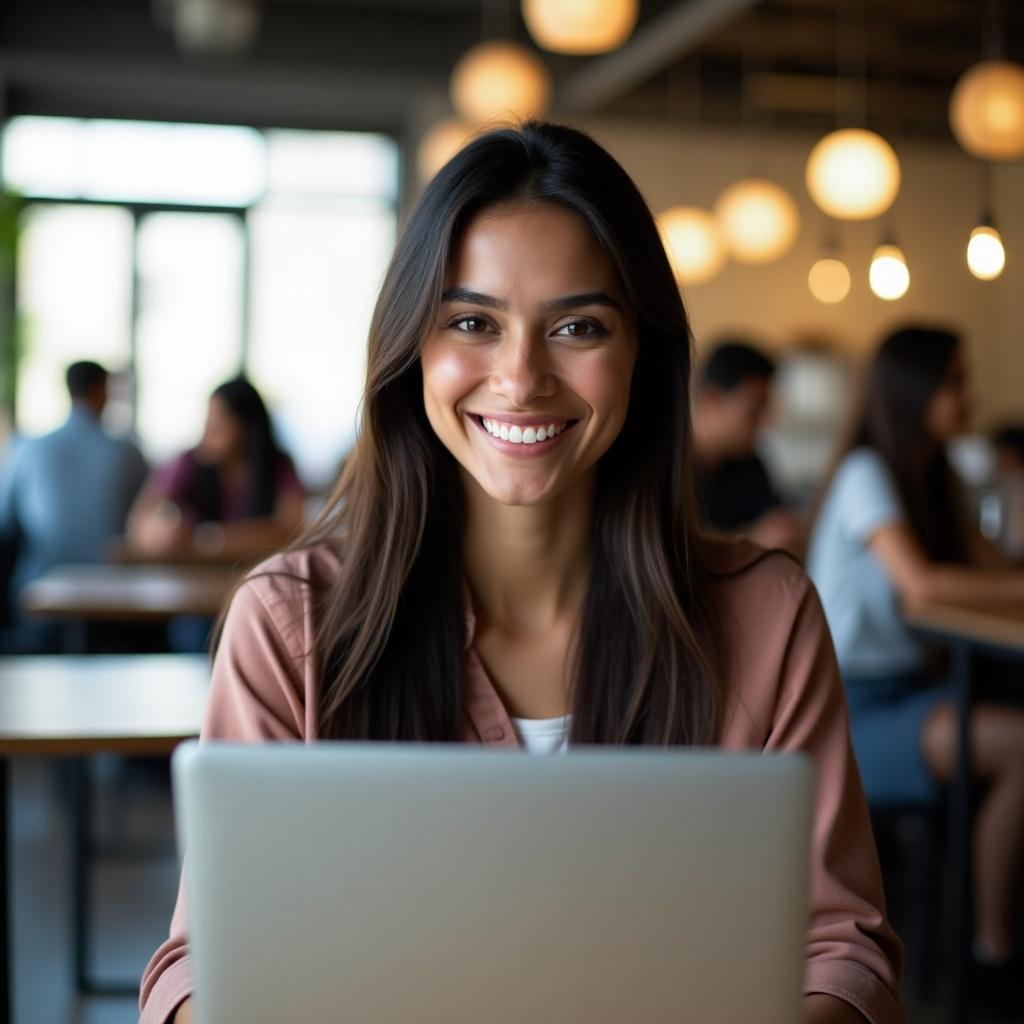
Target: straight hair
390,632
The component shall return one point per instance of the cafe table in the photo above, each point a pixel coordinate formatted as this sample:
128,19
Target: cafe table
129,593
66,706
968,631
119,551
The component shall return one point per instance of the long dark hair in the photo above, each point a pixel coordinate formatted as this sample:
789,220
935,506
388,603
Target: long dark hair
262,455
390,635
891,417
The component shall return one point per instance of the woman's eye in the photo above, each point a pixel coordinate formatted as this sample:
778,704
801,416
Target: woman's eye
581,329
471,325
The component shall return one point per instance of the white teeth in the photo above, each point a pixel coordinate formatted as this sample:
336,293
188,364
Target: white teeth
522,435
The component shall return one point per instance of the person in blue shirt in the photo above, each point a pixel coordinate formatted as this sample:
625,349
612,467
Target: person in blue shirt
63,496
893,526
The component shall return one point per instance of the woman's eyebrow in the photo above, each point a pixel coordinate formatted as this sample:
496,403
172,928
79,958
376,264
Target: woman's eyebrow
595,298
475,298
582,299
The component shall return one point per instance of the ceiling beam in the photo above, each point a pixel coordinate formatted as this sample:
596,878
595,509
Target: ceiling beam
654,46
175,90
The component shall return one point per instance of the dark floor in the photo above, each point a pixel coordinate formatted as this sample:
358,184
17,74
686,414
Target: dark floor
134,898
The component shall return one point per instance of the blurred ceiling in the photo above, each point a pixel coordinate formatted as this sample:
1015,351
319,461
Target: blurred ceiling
367,63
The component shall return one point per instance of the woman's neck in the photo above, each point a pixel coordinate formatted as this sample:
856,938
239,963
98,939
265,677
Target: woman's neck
527,566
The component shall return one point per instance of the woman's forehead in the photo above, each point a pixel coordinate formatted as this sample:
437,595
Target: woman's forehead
531,247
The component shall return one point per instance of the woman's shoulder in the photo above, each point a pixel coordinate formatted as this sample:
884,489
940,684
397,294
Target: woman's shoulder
293,578
756,594
860,466
742,570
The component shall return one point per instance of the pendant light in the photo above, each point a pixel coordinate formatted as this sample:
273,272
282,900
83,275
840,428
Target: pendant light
693,242
986,110
986,106
759,220
853,173
829,277
829,280
438,145
986,255
580,27
889,276
499,80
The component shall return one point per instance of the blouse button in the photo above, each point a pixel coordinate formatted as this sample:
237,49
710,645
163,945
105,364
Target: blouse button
495,733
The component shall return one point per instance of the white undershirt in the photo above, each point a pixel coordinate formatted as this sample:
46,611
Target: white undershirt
543,735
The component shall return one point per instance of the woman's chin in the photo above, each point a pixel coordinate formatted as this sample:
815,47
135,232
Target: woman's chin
514,490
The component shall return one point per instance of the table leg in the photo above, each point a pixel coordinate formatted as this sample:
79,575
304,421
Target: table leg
80,818
5,917
81,882
961,911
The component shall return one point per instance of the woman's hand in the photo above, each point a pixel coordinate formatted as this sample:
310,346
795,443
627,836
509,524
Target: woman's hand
159,530
184,1013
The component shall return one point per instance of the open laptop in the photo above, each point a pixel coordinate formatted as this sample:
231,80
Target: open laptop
396,884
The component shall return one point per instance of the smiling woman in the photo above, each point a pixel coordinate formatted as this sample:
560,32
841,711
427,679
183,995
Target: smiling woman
514,540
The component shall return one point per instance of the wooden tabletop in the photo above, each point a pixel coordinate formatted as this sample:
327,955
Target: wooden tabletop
64,705
119,551
147,593
997,625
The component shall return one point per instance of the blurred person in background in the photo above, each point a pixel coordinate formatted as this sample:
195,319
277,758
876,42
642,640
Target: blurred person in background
1009,445
730,408
235,495
893,526
65,496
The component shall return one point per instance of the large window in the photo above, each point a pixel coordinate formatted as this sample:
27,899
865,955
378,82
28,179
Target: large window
181,254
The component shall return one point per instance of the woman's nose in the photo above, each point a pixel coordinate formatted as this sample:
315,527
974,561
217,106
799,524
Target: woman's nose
521,373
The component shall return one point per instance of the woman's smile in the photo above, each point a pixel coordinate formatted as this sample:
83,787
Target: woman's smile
523,438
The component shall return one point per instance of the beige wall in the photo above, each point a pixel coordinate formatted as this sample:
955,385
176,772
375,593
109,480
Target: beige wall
933,214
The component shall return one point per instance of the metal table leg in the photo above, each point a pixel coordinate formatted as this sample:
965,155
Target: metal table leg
5,915
961,909
82,902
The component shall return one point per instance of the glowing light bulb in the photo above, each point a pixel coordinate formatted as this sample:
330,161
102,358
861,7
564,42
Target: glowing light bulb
499,80
986,110
580,26
853,174
889,277
829,280
986,256
758,220
439,145
693,243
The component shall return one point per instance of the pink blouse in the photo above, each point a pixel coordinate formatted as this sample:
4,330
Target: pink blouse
783,692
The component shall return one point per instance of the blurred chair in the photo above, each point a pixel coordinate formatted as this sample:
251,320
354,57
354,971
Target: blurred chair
911,843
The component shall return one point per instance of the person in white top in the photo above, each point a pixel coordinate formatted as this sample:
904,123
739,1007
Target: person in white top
893,527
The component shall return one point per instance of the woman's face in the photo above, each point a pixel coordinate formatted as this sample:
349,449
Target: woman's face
223,434
949,409
526,374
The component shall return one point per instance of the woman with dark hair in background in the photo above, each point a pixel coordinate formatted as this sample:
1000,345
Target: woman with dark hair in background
893,527
512,555
235,495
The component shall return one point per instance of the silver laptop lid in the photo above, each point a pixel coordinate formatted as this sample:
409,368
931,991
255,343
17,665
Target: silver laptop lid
397,884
